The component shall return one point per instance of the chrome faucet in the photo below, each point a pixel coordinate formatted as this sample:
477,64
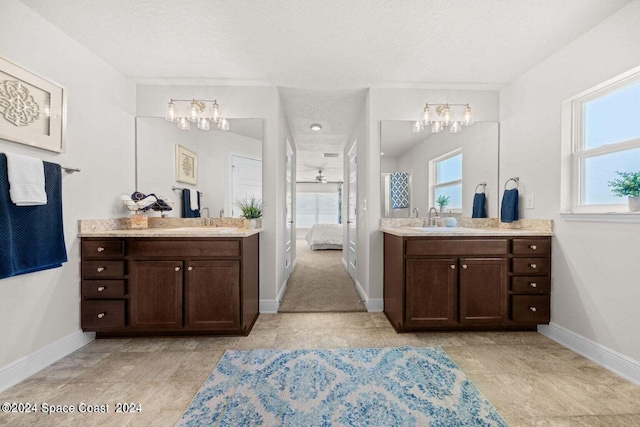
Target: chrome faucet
201,212
417,212
431,221
221,213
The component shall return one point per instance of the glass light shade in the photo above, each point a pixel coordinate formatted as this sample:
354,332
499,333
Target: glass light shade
418,126
223,124
446,115
204,124
437,126
215,112
455,127
467,118
426,115
183,123
193,112
171,112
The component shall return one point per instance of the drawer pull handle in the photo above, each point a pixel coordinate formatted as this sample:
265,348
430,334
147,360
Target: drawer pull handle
533,284
100,249
100,315
177,268
453,267
100,269
100,288
534,247
190,268
533,266
533,309
464,266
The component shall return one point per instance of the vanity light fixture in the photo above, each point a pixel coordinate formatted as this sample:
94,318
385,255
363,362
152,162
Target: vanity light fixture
316,127
444,116
195,111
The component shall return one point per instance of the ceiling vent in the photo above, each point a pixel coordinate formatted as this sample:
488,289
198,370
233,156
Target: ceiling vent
330,154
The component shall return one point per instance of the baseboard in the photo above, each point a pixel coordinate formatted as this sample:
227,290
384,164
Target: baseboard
344,264
361,292
375,305
30,364
269,306
604,356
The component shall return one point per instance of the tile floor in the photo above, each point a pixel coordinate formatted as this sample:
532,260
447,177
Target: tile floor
531,380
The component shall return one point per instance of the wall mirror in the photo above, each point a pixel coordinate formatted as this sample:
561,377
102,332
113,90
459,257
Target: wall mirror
417,167
228,164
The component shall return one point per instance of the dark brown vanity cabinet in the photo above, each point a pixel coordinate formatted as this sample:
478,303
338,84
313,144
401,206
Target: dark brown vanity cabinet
466,282
176,286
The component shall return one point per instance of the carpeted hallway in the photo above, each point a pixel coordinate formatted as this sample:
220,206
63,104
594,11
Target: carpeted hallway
319,283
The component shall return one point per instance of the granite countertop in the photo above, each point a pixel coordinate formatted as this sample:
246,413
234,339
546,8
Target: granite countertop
404,231
194,232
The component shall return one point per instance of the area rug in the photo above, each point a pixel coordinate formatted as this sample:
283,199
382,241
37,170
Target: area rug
407,386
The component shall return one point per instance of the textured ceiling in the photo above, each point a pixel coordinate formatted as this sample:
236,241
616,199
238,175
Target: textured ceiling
329,44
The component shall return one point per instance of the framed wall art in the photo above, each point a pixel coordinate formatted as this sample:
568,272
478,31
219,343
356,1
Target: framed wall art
32,108
186,165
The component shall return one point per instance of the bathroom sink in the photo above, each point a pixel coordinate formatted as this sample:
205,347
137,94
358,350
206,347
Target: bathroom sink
436,230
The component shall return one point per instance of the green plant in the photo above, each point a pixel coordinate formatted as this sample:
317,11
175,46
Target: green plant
442,201
629,185
251,207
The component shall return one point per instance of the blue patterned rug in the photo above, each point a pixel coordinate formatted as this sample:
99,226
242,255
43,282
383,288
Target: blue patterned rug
408,386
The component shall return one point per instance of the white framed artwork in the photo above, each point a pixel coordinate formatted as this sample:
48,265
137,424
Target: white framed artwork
186,165
32,108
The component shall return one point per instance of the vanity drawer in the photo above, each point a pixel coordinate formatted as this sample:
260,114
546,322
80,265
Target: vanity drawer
531,265
102,268
98,315
530,285
449,247
102,288
102,248
530,308
183,249
532,246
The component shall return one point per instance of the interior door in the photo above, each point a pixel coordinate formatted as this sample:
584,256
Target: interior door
352,214
288,232
246,181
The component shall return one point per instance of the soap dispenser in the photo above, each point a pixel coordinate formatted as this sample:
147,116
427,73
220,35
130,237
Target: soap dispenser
450,221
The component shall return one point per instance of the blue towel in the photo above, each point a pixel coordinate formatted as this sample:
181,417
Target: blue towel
479,210
186,205
509,211
399,190
31,237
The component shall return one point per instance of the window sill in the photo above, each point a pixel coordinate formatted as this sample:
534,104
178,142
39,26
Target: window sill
625,217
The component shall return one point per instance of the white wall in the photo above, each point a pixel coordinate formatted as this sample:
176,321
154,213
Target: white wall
244,102
595,285
285,134
41,308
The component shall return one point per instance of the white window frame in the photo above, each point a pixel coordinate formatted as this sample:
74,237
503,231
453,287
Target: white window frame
433,172
573,153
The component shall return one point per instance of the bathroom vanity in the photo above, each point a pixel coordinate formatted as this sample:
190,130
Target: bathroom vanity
457,279
185,281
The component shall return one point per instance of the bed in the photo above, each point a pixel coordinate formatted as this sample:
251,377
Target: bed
325,236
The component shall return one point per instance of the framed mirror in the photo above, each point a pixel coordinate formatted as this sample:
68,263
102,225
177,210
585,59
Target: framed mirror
419,167
224,166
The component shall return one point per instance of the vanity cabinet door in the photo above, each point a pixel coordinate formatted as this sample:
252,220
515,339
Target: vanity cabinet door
156,294
483,290
431,292
213,295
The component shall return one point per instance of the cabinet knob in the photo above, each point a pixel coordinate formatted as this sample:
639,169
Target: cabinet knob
533,309
452,266
100,249
100,269
533,284
190,269
100,315
100,288
533,266
464,266
534,247
177,268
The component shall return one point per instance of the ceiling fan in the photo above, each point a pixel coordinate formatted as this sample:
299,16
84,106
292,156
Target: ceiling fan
321,179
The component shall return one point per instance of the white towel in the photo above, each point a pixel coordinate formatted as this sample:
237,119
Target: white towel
193,196
26,180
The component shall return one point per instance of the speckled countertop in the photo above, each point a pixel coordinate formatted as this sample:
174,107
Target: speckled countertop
411,227
167,227
193,232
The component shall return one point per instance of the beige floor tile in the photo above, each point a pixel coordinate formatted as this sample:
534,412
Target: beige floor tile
217,343
196,366
257,340
393,339
70,367
106,345
487,359
627,420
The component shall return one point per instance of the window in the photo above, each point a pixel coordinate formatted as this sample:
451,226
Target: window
317,207
446,176
605,138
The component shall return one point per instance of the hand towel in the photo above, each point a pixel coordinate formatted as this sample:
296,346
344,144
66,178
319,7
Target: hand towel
195,200
187,212
509,211
31,237
479,210
26,180
400,190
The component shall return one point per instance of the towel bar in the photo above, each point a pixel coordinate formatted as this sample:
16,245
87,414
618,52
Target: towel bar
180,188
484,188
68,169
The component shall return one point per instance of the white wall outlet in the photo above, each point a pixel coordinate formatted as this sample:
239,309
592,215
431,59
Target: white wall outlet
531,201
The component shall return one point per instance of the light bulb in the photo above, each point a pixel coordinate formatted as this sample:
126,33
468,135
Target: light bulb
447,119
426,115
171,112
203,123
193,112
436,126
183,123
418,126
467,117
455,127
215,112
223,124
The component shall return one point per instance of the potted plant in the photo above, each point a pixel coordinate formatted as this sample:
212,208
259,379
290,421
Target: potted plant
627,185
442,202
251,208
